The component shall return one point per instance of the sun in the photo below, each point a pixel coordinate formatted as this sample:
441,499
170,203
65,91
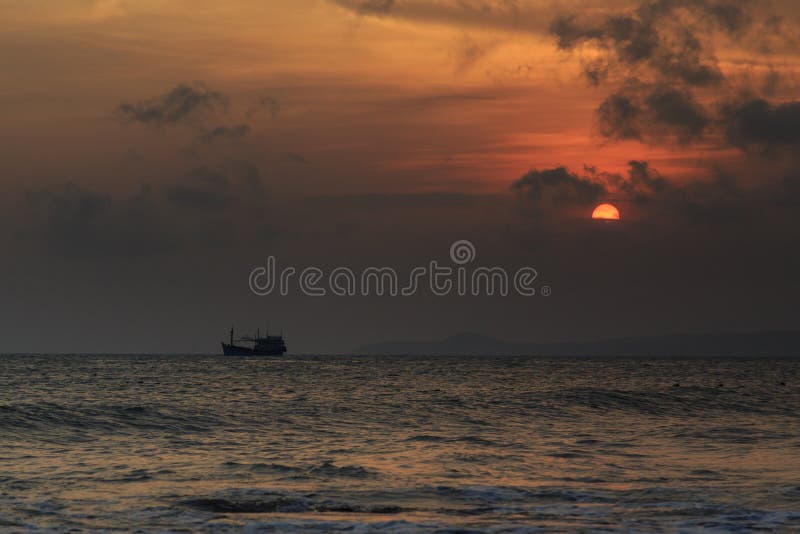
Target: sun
606,212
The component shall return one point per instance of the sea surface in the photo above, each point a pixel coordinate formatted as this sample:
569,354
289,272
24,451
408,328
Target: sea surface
403,444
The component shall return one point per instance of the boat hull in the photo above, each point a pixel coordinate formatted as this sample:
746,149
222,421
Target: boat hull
234,350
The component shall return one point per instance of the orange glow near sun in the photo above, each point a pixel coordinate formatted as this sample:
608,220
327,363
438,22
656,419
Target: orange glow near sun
606,212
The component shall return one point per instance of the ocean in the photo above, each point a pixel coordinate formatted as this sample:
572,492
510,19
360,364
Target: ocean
398,444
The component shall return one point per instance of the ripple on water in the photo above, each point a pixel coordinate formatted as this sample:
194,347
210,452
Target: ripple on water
254,501
398,444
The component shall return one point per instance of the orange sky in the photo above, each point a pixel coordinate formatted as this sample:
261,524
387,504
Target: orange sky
154,151
437,95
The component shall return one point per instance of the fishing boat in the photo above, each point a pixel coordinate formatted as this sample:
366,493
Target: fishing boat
255,345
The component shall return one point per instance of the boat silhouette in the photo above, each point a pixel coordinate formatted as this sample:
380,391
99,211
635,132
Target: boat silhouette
255,345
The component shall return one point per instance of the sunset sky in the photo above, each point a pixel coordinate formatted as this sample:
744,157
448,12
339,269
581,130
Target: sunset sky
153,152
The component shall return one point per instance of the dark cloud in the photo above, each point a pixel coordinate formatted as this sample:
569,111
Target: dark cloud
77,221
70,206
642,178
619,117
559,186
640,184
509,15
203,189
596,70
662,113
180,104
569,33
468,52
652,113
368,7
668,38
733,17
206,188
664,51
375,7
760,124
720,199
677,110
226,132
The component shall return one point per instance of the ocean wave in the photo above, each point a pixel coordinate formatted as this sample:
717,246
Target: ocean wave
263,501
430,438
678,400
52,417
397,445
327,469
510,494
324,469
733,434
383,527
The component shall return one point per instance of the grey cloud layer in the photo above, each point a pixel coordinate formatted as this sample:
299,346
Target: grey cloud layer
374,6
638,111
513,15
759,123
78,221
659,57
667,37
559,186
178,105
664,52
721,199
225,132
81,221
195,105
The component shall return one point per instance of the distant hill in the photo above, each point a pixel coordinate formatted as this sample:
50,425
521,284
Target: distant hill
785,343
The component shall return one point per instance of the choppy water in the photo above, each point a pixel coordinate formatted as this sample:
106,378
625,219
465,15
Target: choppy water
398,444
